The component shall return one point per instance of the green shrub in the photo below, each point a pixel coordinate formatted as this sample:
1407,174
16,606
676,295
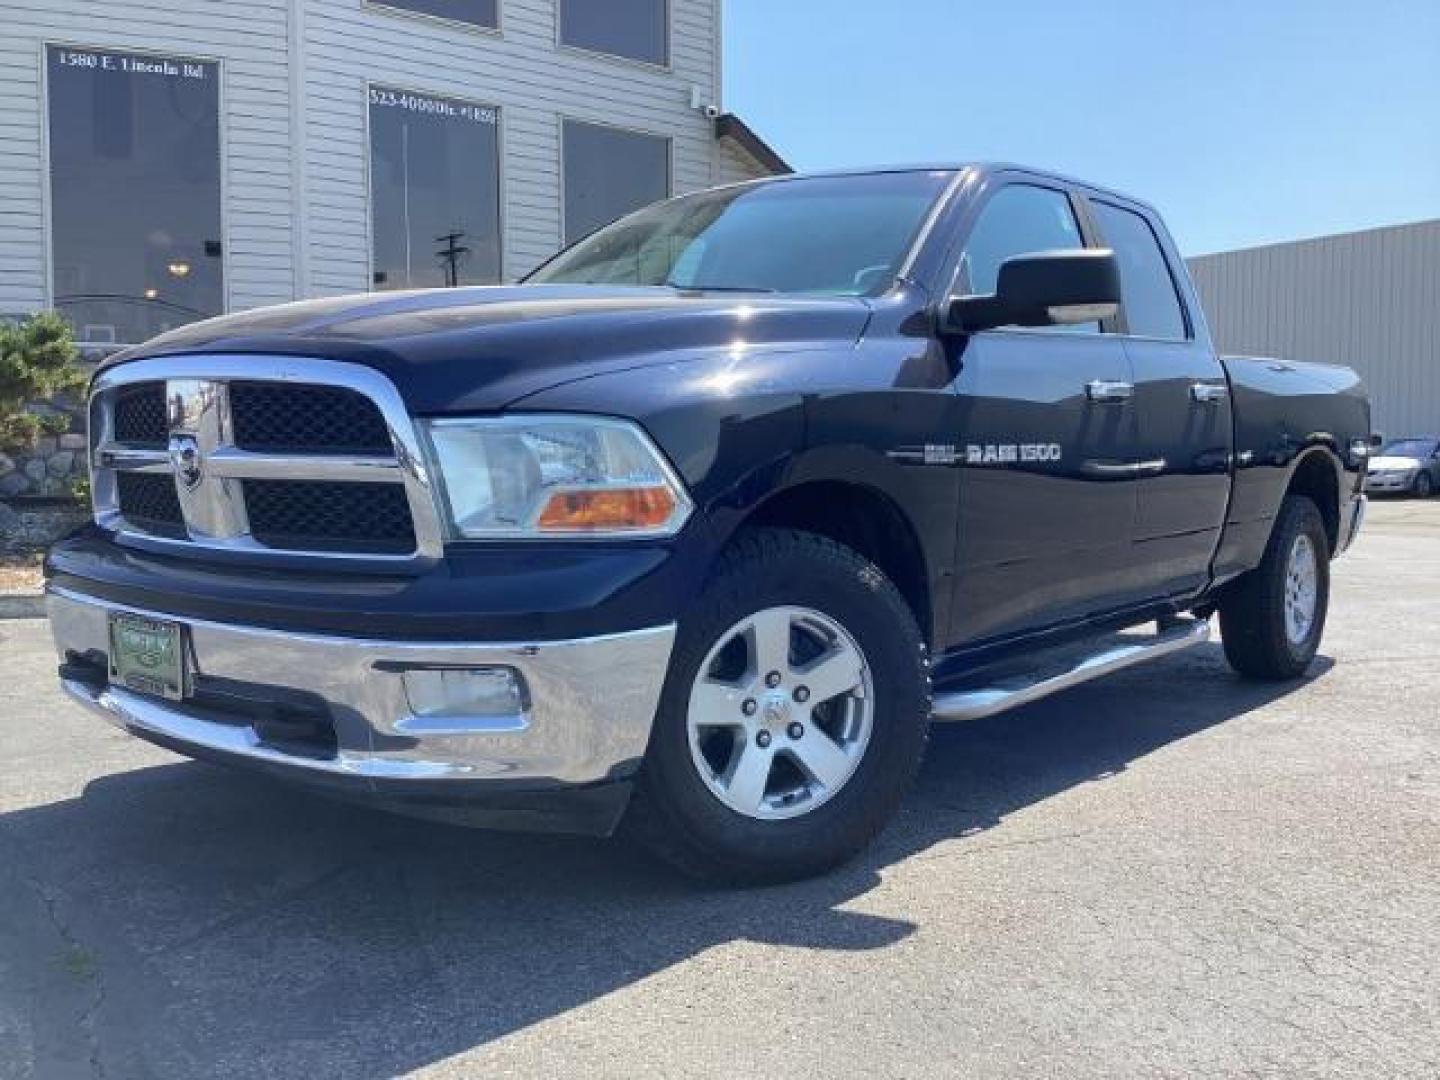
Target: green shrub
80,488
19,431
37,361
55,423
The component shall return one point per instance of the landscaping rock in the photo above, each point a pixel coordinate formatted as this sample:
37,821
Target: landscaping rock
13,484
73,441
61,463
35,527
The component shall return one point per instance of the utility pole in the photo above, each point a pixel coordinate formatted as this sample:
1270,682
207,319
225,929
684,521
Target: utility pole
450,255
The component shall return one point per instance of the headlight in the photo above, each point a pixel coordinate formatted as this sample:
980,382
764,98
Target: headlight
536,476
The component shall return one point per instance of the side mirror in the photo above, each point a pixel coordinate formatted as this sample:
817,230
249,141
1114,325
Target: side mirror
1047,288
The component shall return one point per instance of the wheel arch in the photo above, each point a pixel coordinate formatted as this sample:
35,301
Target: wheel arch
1318,474
864,519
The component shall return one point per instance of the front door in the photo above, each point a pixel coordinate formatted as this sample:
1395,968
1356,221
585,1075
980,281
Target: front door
1046,443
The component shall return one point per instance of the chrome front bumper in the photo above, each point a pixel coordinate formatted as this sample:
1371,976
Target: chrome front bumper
586,718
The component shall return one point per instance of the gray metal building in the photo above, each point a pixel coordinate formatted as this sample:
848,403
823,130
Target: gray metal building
1370,300
165,161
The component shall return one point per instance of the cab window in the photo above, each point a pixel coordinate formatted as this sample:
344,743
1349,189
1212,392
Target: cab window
1020,219
1150,304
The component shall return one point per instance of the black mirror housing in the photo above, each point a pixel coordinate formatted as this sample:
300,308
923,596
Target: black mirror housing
1047,288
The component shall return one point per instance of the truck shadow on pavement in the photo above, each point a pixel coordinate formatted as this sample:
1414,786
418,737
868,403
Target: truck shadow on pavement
182,920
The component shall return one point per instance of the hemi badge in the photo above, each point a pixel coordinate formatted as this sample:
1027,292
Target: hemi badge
929,454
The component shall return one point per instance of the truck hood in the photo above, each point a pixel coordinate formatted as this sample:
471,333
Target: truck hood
478,349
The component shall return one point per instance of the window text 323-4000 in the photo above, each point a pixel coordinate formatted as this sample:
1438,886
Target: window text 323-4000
393,99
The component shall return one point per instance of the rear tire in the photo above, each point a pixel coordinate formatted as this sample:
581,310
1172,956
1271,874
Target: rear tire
1424,486
1272,618
753,777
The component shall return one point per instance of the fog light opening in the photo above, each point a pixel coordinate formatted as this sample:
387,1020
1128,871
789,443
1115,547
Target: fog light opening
478,692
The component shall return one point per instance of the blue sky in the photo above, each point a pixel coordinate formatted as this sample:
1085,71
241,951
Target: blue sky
1245,122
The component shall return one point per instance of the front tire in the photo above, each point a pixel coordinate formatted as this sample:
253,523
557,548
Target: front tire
1272,618
1424,486
793,719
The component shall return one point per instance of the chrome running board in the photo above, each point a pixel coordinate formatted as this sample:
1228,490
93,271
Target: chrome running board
982,701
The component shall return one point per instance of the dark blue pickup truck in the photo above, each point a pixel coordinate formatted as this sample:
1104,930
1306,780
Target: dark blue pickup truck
693,533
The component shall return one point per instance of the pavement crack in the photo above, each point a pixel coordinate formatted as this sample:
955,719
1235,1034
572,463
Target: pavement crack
1003,845
79,960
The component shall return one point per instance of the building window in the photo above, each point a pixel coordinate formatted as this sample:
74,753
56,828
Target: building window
1151,306
134,191
633,29
608,173
482,13
434,191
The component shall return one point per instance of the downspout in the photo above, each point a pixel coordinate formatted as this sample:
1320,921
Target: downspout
299,219
717,86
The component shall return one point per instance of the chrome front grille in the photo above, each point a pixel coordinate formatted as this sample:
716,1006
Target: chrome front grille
260,455
149,501
273,418
326,516
140,415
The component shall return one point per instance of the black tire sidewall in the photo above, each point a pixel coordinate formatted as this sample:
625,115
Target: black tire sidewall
795,569
1252,610
1424,486
1311,525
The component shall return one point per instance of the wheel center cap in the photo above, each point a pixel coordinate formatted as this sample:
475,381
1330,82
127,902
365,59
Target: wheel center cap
775,710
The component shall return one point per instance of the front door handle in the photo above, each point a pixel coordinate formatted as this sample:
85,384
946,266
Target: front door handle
1208,393
1108,392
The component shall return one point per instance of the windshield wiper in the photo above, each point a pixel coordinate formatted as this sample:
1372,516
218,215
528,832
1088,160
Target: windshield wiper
720,288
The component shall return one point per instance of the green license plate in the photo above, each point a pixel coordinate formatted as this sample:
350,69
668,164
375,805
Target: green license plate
147,655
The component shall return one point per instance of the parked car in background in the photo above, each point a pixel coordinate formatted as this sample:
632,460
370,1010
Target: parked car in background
1408,466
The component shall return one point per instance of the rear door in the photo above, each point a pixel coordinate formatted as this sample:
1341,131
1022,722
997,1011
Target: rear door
1046,442
1181,405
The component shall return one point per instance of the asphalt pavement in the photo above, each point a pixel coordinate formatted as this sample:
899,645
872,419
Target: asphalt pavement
1167,873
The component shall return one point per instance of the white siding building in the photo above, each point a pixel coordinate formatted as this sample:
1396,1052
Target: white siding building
164,161
1370,300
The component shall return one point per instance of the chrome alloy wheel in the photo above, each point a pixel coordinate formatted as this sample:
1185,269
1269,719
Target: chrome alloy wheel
780,713
1302,577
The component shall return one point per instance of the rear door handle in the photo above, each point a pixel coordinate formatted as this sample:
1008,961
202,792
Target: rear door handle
1103,390
1207,393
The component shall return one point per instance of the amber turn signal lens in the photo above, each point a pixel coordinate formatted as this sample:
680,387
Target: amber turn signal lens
607,509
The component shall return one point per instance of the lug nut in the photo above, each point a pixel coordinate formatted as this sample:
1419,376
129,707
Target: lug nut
749,707
802,694
795,730
773,679
762,739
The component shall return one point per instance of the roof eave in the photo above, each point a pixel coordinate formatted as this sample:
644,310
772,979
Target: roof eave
729,126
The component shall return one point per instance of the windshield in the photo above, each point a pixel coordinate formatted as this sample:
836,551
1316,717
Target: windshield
821,236
1416,448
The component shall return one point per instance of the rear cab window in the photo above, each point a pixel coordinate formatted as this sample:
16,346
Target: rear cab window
1150,303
